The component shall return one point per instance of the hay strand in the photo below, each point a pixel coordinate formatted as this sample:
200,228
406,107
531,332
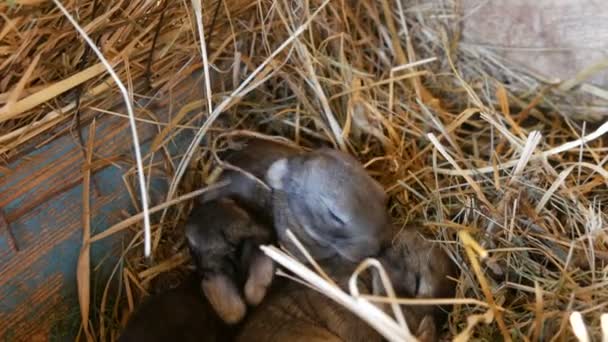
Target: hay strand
83,273
366,311
136,146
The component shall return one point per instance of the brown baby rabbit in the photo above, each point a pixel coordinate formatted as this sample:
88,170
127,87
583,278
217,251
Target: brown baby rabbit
419,268
416,267
224,242
180,314
294,312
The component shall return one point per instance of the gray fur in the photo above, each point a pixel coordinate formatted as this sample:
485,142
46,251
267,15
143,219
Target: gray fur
330,203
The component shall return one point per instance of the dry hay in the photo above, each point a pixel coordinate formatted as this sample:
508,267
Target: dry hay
461,151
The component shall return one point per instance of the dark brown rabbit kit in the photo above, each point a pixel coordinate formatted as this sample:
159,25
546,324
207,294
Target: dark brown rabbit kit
224,242
296,312
178,314
418,268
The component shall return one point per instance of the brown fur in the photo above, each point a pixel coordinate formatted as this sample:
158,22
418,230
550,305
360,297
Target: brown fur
294,312
419,268
224,242
180,314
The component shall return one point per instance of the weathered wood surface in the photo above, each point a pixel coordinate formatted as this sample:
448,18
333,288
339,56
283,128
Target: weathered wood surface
42,201
41,198
555,38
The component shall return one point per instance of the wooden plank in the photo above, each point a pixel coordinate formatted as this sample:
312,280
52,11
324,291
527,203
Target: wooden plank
555,38
42,201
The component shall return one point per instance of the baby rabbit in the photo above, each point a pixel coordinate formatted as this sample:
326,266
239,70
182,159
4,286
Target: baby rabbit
325,197
330,203
419,268
223,240
180,314
255,157
294,312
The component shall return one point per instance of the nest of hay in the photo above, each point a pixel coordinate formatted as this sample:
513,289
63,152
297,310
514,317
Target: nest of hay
479,155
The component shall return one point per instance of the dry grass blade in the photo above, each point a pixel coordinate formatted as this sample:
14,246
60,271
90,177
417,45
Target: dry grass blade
427,301
539,314
471,182
470,246
196,5
310,259
160,138
15,94
526,154
366,311
604,325
152,272
83,273
316,86
136,146
466,334
556,184
578,326
386,283
600,131
7,113
127,223
584,74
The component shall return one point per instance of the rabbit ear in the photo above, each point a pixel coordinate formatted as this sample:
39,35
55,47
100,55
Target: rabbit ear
276,172
225,298
261,272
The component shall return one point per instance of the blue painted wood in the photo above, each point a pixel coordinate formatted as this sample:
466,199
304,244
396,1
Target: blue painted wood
38,283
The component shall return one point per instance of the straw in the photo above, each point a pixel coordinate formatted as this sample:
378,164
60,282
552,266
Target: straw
127,99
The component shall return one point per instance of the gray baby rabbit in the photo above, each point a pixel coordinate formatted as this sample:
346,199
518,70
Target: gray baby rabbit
253,156
330,203
224,242
180,314
325,197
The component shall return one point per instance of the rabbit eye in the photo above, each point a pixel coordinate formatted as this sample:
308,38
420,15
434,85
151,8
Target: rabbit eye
335,217
417,283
